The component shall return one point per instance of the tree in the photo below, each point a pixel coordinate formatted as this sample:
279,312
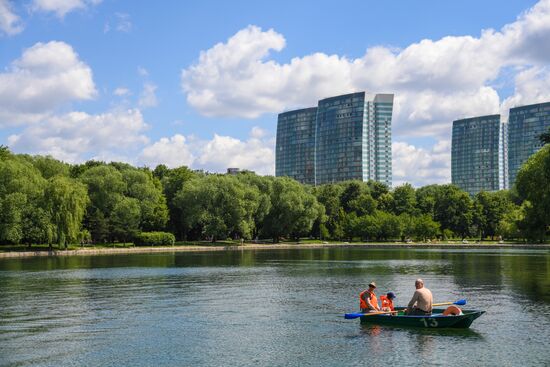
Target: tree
49,166
404,199
453,210
532,185
66,200
425,227
545,137
329,196
220,206
293,210
173,181
492,208
125,219
141,185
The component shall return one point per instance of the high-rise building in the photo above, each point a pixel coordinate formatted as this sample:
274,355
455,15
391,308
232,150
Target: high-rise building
479,154
353,138
525,124
346,137
295,148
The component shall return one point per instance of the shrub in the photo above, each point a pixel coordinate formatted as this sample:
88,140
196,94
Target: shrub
154,239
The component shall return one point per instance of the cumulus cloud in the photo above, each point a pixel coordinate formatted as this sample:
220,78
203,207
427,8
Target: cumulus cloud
148,98
237,78
62,7
173,152
45,77
255,153
77,136
532,85
10,23
426,166
121,92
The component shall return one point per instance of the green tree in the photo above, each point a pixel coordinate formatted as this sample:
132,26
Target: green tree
141,185
125,219
425,227
293,210
492,206
532,185
453,209
66,200
545,137
404,199
49,166
220,205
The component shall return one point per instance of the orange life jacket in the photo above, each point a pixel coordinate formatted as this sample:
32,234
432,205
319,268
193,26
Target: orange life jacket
386,302
372,298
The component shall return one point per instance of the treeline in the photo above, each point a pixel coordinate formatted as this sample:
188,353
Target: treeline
46,201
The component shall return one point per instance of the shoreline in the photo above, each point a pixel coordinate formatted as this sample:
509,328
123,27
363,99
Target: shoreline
254,247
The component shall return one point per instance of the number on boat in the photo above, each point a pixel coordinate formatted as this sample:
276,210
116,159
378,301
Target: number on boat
429,322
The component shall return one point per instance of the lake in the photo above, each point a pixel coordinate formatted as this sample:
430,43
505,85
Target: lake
269,308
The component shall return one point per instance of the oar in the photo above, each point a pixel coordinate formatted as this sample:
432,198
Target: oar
359,314
460,302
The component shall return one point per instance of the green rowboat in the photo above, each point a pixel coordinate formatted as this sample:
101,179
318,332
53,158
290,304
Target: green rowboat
435,320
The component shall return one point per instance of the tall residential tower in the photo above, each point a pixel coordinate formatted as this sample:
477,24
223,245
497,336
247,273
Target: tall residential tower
351,136
525,124
479,154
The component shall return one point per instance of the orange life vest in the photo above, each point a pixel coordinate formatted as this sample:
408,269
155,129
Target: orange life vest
386,302
372,298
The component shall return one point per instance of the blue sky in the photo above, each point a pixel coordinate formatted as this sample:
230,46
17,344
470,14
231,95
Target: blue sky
200,84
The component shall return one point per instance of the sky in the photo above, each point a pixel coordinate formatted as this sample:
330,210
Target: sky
201,83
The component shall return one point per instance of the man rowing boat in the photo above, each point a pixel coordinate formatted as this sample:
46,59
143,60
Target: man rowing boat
421,301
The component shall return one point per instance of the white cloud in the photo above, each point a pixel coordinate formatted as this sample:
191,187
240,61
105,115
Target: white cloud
62,7
10,23
121,92
123,22
532,85
78,136
424,166
215,155
148,97
237,78
173,152
142,71
45,77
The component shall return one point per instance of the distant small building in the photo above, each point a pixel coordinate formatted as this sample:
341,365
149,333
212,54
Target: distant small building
233,171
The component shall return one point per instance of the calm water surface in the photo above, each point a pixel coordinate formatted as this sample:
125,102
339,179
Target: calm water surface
269,308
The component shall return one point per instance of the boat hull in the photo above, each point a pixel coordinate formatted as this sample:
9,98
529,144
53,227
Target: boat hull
435,320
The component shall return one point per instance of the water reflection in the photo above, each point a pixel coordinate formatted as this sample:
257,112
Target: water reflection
269,307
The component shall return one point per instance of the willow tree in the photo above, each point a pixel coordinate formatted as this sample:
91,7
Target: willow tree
66,200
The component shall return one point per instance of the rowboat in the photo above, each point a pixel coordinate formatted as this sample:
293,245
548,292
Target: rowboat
435,320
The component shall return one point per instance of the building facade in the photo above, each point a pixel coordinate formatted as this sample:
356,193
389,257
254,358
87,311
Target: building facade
295,147
479,154
525,124
353,138
346,137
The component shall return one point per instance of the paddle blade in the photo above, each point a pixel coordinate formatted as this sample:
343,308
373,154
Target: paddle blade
353,315
460,302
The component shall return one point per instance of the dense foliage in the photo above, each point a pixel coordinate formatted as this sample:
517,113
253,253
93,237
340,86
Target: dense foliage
45,201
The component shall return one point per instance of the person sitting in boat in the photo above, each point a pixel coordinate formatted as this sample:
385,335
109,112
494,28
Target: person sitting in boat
421,301
367,299
386,302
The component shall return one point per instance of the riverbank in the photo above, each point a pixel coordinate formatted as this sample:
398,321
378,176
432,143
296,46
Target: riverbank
285,246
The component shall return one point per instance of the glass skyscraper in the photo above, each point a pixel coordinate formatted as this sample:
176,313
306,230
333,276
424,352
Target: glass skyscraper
525,124
295,148
351,136
479,154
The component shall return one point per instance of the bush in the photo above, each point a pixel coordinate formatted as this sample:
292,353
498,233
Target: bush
154,239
